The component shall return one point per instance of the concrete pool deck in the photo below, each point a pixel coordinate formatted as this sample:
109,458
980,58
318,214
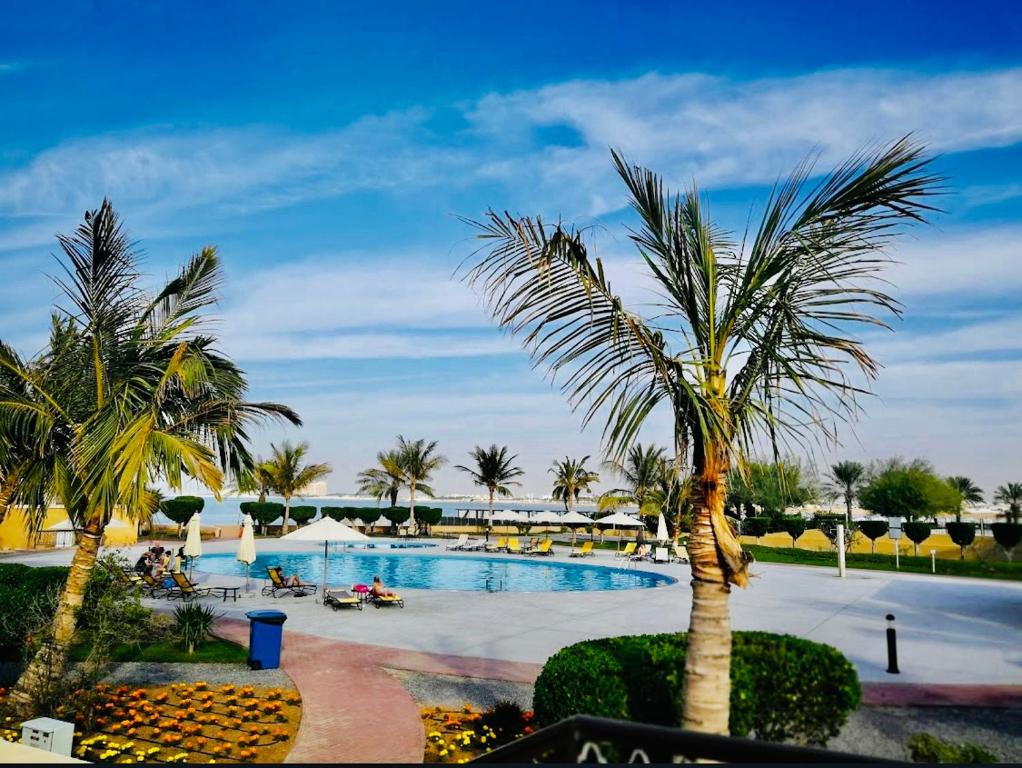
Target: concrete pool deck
950,630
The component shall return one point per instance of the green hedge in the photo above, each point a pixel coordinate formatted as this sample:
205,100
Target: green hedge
782,687
263,513
20,585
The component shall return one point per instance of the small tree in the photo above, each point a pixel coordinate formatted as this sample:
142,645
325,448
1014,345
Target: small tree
263,513
181,508
828,524
756,526
396,516
336,513
962,534
427,517
1008,536
873,530
917,532
368,515
794,526
302,514
908,490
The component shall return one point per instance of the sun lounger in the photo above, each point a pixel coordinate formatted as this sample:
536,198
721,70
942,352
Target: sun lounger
586,550
628,551
148,587
474,545
679,554
460,543
381,600
186,590
642,553
500,545
544,548
278,586
341,599
661,555
156,587
513,547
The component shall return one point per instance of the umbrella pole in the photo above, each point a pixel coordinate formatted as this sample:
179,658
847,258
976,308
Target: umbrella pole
248,576
326,554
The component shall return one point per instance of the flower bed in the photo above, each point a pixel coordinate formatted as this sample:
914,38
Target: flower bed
182,723
459,736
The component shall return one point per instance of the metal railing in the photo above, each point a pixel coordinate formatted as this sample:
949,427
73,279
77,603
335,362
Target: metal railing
586,739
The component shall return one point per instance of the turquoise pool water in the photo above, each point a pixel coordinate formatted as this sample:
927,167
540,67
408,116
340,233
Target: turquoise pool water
497,573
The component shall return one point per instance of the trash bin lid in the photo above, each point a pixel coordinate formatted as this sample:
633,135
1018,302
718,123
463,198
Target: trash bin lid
267,617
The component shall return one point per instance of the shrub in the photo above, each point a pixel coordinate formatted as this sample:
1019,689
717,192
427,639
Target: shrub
302,514
427,517
181,508
193,624
507,721
794,526
917,532
782,687
263,512
396,515
827,524
962,534
1007,535
925,748
873,530
26,594
337,513
368,515
755,526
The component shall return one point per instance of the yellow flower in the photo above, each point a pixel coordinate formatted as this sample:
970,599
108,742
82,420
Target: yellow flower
443,752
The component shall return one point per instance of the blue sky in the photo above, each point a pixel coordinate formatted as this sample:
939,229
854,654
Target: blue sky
324,149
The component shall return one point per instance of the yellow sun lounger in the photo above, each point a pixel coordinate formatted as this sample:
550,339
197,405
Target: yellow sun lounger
544,548
501,544
341,599
381,600
628,551
585,551
513,546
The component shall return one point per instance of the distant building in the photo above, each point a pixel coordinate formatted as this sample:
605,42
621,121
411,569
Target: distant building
317,488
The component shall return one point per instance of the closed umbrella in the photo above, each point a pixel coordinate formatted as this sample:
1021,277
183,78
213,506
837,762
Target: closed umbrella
246,547
327,530
193,542
661,529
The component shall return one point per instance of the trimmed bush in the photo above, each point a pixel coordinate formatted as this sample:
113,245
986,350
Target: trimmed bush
1008,535
926,748
917,532
873,530
368,515
397,515
181,508
302,514
427,517
962,534
782,687
337,513
263,513
794,526
755,526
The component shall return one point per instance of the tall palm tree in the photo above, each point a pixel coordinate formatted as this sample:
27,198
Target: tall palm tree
259,479
571,479
289,474
968,490
751,341
1010,494
847,476
419,460
129,391
494,470
642,471
385,479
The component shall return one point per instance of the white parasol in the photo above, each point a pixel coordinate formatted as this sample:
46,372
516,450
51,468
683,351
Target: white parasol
661,529
327,530
193,542
246,547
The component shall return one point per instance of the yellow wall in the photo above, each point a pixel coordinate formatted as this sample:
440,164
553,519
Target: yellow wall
815,540
14,531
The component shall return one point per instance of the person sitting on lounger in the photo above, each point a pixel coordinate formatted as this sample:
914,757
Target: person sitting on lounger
144,564
378,590
290,581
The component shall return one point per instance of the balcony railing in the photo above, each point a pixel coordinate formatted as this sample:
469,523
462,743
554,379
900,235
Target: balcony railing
585,739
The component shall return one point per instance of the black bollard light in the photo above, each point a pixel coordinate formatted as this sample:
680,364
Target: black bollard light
892,647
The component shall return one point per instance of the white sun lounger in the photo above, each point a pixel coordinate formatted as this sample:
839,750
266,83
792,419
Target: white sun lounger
460,543
661,555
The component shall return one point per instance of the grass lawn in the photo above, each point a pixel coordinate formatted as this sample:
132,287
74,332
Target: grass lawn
166,651
909,564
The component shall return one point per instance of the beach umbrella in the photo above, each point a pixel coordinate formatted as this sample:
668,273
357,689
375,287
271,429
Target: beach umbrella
193,541
548,517
620,520
246,547
327,530
573,520
661,529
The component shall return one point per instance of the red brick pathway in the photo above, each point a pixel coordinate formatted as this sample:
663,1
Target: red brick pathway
940,695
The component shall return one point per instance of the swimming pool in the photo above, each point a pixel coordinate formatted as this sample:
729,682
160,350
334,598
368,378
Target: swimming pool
479,574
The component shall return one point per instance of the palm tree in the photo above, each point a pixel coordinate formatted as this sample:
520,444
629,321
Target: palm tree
642,470
418,461
495,470
1010,494
289,475
129,391
968,490
385,479
751,341
571,479
847,476
259,478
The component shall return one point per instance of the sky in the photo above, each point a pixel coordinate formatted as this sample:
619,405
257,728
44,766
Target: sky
329,149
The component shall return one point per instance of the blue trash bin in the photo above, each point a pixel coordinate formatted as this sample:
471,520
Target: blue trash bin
266,630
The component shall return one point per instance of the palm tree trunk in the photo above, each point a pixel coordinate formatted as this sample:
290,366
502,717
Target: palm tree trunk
411,505
48,663
707,686
287,514
489,518
848,508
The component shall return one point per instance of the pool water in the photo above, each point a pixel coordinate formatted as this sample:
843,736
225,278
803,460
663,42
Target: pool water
481,574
